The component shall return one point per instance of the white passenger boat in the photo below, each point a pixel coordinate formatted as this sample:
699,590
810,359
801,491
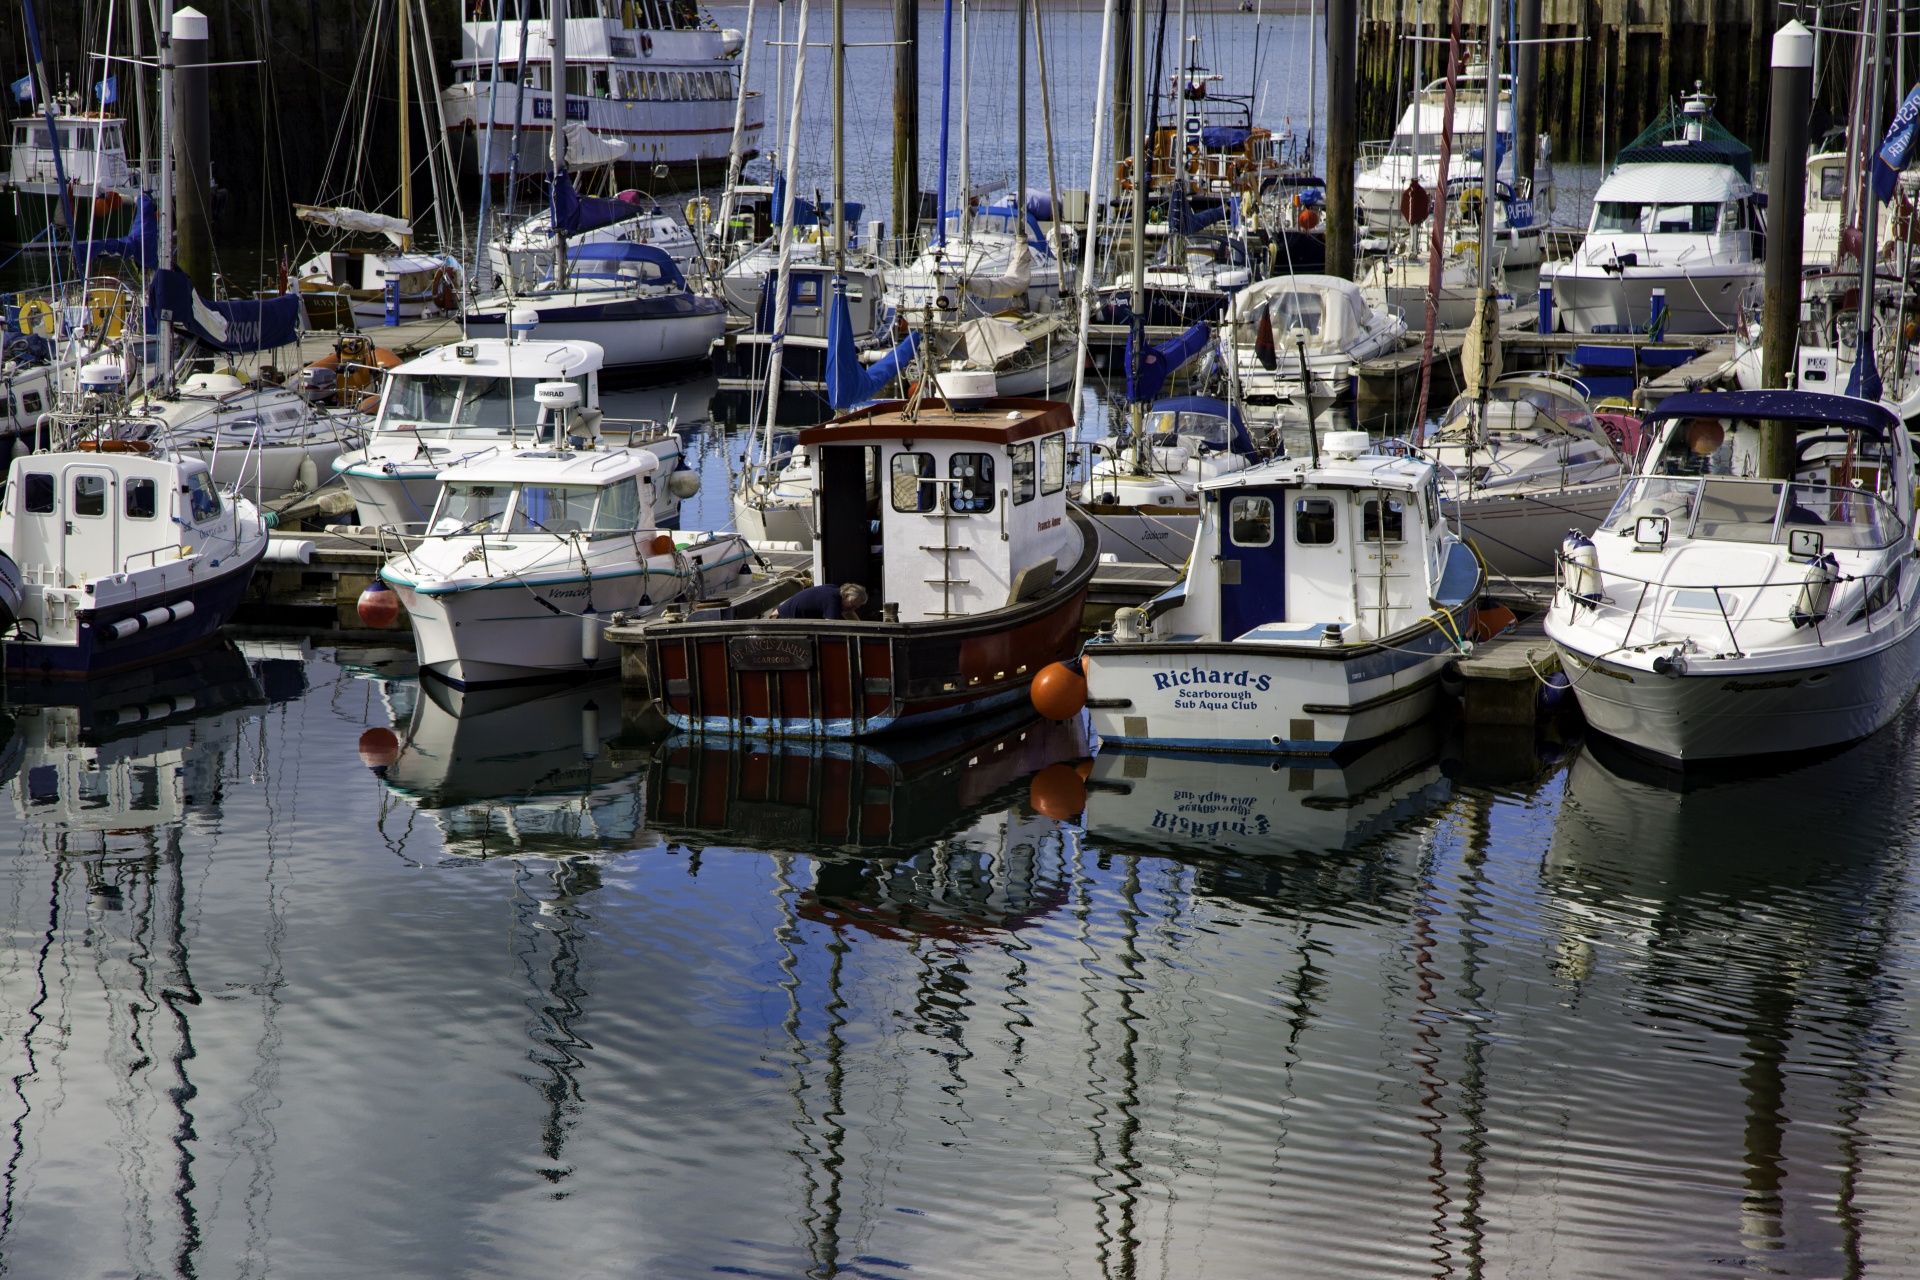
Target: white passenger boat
531,552
1720,614
1518,473
1675,215
628,298
1323,605
469,399
1276,322
1146,501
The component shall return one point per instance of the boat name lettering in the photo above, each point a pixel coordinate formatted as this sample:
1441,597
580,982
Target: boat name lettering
562,593
1200,676
769,653
1045,525
1749,686
1174,824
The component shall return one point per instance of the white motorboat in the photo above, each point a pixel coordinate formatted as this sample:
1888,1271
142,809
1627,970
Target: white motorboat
773,503
113,555
1323,604
1388,168
102,186
1274,322
1675,218
531,552
1146,502
992,265
256,437
628,298
1398,283
523,256
1519,473
469,399
1719,613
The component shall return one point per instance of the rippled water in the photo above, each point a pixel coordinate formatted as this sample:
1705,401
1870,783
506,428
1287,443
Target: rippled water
532,997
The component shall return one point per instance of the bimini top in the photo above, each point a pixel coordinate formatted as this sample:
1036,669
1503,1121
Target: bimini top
497,358
1242,439
665,271
1002,420
1814,408
1364,471
596,467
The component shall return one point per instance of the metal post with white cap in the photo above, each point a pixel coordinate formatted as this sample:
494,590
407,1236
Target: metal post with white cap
1786,207
192,167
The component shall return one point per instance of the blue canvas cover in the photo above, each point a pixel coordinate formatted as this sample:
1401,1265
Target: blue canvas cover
849,384
1161,362
224,326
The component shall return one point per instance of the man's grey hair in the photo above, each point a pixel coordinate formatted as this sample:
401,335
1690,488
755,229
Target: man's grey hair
853,594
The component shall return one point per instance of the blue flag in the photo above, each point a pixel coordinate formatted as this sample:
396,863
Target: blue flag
1897,150
107,91
23,89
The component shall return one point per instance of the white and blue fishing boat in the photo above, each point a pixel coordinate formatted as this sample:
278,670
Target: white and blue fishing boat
1325,600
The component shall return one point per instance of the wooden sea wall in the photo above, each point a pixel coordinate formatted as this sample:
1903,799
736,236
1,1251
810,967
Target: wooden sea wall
1621,62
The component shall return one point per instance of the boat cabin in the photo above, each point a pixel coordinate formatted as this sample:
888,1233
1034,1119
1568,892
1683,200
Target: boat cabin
969,513
1342,553
486,388
92,151
552,491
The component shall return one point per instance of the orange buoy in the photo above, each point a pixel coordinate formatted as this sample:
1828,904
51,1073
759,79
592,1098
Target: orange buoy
1491,621
1309,219
1059,691
379,748
378,606
1058,792
662,545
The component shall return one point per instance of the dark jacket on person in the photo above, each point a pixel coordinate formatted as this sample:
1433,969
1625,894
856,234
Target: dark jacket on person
815,602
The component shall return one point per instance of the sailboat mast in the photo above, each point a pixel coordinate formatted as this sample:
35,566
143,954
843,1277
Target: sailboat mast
1137,416
163,37
1177,149
734,150
1489,146
966,121
1019,200
406,134
1866,377
557,141
783,277
839,146
1089,246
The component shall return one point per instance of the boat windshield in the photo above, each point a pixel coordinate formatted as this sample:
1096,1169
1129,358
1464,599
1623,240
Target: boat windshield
1652,217
1520,407
554,508
1210,430
435,401
1729,510
470,508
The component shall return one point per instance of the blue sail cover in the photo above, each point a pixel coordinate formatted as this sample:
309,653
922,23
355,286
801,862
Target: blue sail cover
574,213
629,251
224,326
1162,362
848,383
140,246
807,214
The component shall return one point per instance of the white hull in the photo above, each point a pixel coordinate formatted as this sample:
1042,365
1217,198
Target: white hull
1727,709
1704,299
1520,533
275,469
1136,537
394,499
629,344
778,522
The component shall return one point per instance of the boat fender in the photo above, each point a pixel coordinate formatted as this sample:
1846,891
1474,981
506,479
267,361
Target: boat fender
683,484
590,730
591,625
1582,567
153,617
1453,682
1058,792
1059,691
662,545
1553,691
307,476
1816,593
378,606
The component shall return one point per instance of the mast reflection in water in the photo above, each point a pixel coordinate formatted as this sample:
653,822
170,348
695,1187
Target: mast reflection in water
332,973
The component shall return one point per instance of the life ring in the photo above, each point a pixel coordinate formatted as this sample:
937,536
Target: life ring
115,446
37,316
697,210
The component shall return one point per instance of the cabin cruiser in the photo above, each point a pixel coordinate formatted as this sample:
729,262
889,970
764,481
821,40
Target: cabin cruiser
1326,597
1193,281
1521,469
1276,321
257,436
975,565
1146,502
531,551
1722,613
103,186
1675,219
113,555
628,298
1413,154
483,397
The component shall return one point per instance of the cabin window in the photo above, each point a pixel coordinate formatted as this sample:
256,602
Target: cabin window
806,291
554,508
40,492
203,500
1053,463
619,508
601,87
1250,522
470,508
89,495
577,82
1833,182
912,491
30,402
142,498
1313,521
973,492
1023,477
1392,529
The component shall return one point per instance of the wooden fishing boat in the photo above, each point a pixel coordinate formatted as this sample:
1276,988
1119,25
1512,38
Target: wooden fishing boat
975,566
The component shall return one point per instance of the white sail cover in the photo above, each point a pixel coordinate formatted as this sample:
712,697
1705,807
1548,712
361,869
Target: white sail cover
1014,280
989,340
588,150
343,219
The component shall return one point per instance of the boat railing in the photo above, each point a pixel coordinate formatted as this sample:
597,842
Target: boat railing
1372,153
1732,509
151,556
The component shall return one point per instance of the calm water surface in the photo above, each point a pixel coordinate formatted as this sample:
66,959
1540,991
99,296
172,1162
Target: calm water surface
531,997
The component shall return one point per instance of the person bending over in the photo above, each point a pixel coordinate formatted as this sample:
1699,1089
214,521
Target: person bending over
825,601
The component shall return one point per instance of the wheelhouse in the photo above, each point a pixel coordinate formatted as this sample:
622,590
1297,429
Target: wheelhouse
487,387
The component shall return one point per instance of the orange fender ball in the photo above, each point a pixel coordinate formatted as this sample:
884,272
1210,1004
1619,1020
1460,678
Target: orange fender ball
379,748
1058,792
379,607
1058,692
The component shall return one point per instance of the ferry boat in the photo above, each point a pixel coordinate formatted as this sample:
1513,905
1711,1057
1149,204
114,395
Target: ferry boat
975,565
1324,602
657,77
1718,614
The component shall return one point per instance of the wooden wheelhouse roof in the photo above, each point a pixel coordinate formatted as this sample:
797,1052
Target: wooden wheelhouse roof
1004,420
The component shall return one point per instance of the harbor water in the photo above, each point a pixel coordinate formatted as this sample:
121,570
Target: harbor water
313,971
